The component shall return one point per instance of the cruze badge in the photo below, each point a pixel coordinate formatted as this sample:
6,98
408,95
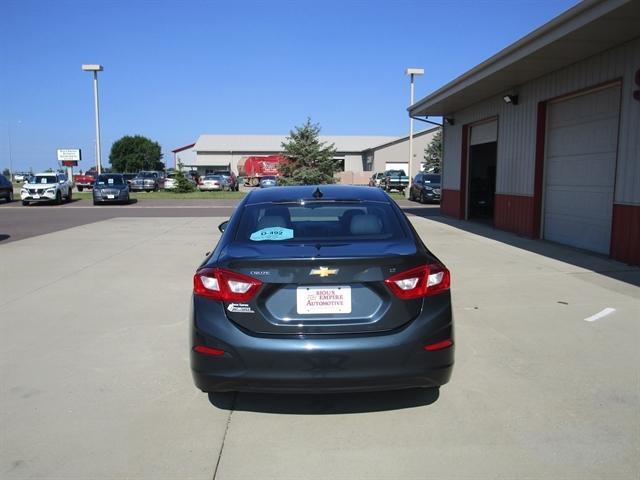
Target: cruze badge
323,271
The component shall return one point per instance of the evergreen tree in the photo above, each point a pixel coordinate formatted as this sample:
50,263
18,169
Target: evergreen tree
308,161
433,154
183,185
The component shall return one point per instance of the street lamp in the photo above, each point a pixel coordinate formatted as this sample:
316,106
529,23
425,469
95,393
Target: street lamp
95,69
411,72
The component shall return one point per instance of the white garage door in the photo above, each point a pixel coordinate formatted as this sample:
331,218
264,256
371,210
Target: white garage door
582,143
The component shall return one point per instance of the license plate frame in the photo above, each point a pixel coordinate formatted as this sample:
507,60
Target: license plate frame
111,197
323,299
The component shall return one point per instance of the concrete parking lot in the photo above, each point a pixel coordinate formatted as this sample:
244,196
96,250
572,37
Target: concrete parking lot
96,381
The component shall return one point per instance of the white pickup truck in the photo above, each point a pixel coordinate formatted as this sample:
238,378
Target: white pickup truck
46,187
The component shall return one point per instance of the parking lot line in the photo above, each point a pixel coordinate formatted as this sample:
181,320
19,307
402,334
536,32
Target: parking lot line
607,311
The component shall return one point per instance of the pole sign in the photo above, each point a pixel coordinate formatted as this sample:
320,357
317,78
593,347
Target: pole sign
69,154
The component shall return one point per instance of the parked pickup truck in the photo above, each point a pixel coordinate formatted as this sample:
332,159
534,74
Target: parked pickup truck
84,181
395,180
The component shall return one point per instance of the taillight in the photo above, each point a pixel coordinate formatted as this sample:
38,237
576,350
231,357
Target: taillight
214,352
420,281
224,285
432,347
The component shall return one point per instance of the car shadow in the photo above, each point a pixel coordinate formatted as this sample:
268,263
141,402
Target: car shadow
132,201
594,262
325,403
4,236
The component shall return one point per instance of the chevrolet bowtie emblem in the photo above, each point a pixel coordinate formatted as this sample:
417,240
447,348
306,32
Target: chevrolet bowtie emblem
323,271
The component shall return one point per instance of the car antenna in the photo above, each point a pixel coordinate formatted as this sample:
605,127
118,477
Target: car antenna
317,193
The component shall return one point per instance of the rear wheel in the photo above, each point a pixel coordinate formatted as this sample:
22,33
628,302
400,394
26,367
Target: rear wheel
58,198
69,195
80,189
25,203
10,197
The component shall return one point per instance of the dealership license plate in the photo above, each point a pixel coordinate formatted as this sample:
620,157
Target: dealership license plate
111,197
318,300
35,195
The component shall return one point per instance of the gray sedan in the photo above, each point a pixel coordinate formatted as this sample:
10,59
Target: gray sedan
110,188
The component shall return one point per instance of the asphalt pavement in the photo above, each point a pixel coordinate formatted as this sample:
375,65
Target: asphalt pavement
18,222
96,382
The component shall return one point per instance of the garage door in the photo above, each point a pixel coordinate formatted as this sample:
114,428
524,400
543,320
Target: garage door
582,143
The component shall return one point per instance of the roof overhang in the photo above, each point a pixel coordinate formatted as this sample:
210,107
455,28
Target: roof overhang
179,149
587,29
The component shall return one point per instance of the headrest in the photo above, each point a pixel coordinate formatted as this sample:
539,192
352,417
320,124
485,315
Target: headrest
366,225
271,221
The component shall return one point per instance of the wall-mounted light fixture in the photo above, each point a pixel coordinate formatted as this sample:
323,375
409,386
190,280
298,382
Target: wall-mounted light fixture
512,99
449,121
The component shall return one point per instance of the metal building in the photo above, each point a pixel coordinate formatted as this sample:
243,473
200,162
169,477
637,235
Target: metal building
543,138
214,152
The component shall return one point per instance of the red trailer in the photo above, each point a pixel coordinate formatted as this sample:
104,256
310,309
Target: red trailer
252,169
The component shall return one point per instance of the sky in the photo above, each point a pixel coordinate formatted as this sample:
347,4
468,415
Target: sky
174,70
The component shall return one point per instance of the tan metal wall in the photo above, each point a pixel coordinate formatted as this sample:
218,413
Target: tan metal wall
399,152
517,124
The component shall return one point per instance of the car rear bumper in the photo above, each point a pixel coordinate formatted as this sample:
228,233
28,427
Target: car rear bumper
382,361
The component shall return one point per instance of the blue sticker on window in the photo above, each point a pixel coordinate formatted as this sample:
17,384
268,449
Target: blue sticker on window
272,233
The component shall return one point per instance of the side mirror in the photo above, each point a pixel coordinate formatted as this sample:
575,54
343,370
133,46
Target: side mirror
223,226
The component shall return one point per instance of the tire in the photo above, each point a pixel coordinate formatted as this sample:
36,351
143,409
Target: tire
80,189
411,197
95,203
25,203
422,199
70,195
10,197
58,198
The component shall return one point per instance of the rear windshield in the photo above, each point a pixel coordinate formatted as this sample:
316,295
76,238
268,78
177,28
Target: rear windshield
319,221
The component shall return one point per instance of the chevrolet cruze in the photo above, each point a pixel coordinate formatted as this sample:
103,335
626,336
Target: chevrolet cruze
320,289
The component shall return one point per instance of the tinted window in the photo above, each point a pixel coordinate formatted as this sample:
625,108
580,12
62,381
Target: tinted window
319,222
3,181
396,173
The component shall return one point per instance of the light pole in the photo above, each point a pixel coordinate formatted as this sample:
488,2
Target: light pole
95,69
411,72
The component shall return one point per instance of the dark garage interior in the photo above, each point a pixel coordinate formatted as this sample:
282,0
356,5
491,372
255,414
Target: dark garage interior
482,180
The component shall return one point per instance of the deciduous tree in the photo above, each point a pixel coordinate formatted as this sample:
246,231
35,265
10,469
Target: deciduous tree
135,153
